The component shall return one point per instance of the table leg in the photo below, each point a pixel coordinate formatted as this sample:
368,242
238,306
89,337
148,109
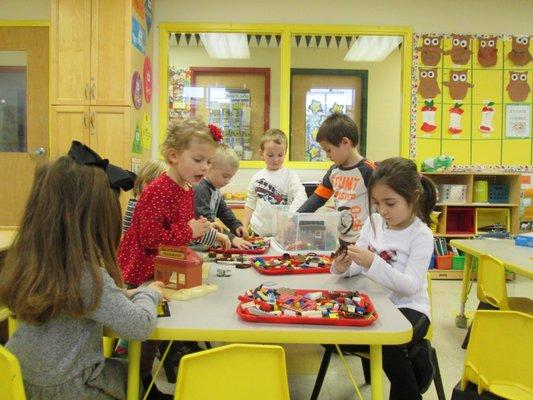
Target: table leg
376,372
460,320
134,365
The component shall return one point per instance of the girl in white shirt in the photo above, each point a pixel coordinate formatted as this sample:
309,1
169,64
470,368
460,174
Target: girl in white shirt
394,250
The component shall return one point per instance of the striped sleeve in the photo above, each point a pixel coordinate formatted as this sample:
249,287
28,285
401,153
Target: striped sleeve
128,215
208,239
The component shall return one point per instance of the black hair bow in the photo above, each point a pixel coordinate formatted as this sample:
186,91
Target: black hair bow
118,178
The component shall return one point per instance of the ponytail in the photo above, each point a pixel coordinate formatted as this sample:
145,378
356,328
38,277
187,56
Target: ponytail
427,199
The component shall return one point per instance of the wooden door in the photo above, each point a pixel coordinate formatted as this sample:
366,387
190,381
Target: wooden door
68,123
17,165
110,56
109,127
70,52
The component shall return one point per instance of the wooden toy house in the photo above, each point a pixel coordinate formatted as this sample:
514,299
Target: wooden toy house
178,267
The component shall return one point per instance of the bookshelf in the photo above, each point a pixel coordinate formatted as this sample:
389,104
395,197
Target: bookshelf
462,215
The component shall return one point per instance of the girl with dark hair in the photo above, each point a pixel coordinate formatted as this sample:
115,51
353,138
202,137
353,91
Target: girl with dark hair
394,250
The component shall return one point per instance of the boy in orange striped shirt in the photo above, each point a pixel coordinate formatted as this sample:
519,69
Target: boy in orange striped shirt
346,180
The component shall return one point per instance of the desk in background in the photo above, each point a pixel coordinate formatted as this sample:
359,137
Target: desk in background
213,318
517,259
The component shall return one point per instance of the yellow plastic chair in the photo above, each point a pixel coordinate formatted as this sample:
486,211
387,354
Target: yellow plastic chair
235,371
500,353
11,385
491,287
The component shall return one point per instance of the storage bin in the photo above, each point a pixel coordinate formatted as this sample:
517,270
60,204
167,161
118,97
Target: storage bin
307,231
444,262
481,191
498,193
451,193
492,217
458,262
460,220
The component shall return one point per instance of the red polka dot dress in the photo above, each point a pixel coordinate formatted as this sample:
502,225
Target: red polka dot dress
161,217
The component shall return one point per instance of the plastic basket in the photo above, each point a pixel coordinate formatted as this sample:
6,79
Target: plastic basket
498,193
458,262
451,193
444,262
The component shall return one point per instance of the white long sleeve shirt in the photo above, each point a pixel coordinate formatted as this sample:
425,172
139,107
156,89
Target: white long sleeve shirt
270,190
400,263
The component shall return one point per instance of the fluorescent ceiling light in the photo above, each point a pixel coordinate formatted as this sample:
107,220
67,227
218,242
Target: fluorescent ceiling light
372,48
226,45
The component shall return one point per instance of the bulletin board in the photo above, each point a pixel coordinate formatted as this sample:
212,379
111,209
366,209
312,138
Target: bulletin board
471,99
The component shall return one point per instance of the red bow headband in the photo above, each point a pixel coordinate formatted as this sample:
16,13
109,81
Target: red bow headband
216,132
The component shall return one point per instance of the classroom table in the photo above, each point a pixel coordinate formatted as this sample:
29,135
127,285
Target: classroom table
517,259
213,318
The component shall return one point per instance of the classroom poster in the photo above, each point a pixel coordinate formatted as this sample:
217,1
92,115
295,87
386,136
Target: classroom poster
518,121
138,35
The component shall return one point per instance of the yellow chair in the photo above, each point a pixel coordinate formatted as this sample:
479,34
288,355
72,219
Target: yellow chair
500,353
235,371
10,376
491,287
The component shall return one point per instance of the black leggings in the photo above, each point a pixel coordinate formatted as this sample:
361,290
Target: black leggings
396,362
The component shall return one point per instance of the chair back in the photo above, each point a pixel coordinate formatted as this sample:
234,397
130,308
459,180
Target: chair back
235,371
11,385
491,282
500,353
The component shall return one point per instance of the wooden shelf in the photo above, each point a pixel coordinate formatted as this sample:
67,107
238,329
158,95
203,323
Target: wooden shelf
476,205
454,235
457,274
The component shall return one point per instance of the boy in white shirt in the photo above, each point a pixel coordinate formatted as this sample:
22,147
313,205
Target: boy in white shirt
272,187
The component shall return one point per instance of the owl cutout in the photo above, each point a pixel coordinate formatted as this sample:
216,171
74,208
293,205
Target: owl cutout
460,52
428,87
430,50
487,55
518,86
458,85
520,54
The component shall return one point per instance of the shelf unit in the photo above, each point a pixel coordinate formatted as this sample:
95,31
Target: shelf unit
453,212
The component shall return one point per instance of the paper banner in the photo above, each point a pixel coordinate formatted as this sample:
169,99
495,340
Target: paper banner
518,121
148,14
138,6
147,79
135,164
138,35
146,131
136,90
137,145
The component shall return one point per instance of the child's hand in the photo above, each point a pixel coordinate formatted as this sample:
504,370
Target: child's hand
199,227
158,286
362,257
223,240
241,243
217,227
241,231
342,263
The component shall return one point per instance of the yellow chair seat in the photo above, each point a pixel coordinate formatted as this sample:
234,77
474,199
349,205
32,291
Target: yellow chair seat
521,304
11,385
511,392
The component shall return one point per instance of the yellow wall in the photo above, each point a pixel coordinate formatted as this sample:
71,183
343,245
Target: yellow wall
25,9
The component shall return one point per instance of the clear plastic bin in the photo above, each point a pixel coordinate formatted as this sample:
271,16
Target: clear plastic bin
307,231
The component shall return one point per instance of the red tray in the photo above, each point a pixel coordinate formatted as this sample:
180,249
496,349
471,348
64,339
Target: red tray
259,250
286,319
285,271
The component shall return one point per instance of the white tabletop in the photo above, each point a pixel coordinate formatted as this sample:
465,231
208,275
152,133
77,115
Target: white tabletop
213,317
518,259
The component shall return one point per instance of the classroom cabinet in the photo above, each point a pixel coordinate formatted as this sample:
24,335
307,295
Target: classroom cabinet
100,127
90,58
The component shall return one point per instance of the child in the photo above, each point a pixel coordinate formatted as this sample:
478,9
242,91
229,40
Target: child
346,180
394,250
208,201
165,214
62,282
148,172
272,186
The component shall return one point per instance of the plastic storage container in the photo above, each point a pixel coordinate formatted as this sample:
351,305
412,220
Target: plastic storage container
451,193
481,191
307,231
458,262
460,220
498,193
444,262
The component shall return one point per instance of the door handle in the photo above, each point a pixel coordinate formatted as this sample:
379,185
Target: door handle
40,151
92,122
93,88
87,88
85,120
